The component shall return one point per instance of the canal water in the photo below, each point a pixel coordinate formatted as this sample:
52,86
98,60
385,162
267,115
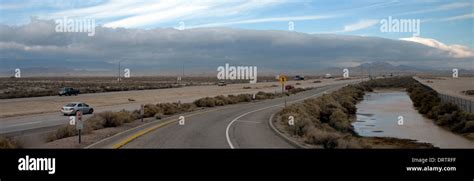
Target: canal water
381,111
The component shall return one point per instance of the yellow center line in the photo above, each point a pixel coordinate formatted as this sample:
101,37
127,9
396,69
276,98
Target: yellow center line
143,132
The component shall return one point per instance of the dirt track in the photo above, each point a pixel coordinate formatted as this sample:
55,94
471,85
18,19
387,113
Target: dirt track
450,86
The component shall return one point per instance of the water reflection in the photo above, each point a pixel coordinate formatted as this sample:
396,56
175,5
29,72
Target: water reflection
378,115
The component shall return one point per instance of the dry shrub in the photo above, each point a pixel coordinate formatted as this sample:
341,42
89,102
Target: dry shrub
339,121
328,140
7,143
205,102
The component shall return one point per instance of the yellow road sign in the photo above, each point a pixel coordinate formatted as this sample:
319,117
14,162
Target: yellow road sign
282,79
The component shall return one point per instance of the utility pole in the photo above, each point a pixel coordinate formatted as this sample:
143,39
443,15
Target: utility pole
118,79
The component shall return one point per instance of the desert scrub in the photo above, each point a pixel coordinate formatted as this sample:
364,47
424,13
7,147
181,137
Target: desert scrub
448,115
158,111
67,131
205,102
8,142
326,120
97,121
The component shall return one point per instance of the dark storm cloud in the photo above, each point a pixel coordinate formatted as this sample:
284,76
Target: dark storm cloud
38,45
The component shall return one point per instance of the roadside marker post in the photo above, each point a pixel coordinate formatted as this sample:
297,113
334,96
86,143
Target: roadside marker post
282,81
142,112
79,124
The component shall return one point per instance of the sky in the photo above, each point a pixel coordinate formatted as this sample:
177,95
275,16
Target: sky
450,22
275,34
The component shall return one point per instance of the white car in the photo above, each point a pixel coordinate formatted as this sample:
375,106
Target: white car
73,107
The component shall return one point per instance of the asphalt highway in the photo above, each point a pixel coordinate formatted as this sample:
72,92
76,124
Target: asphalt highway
235,126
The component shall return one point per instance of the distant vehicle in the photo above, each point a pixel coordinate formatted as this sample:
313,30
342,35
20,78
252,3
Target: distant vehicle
289,87
299,77
221,83
328,76
68,91
73,107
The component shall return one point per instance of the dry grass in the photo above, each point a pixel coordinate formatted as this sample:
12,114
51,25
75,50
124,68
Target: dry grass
448,115
97,121
158,111
468,92
326,120
49,86
7,143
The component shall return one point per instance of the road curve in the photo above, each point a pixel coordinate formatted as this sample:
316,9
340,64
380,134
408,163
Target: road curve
49,121
235,126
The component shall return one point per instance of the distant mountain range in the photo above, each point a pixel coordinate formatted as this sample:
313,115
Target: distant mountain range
372,68
385,68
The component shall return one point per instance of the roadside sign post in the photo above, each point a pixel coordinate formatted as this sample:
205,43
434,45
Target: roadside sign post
142,111
282,81
79,124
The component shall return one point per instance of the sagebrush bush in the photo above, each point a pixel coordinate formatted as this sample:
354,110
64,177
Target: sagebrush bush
7,142
449,115
339,121
468,127
151,109
159,115
328,140
67,131
115,119
168,108
205,102
111,119
326,120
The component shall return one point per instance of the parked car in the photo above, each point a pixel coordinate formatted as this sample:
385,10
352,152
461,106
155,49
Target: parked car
68,91
73,107
221,83
289,87
299,77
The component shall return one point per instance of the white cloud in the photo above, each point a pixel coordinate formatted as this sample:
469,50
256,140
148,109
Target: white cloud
460,17
456,51
445,7
263,20
117,13
150,18
363,24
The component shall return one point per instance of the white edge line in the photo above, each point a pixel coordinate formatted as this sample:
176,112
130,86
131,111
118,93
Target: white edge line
238,117
288,140
22,124
235,119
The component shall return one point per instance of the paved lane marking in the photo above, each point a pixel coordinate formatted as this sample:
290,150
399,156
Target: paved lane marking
159,125
229,142
22,124
141,133
255,122
288,140
242,115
